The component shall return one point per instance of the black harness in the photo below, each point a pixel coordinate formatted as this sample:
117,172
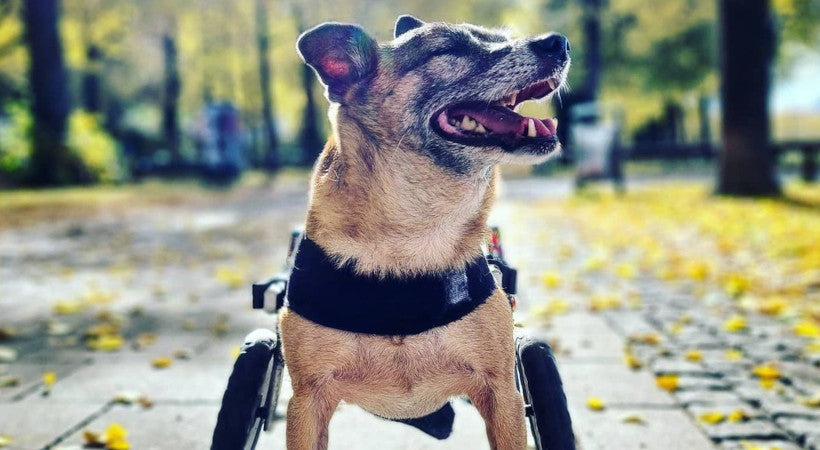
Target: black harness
339,298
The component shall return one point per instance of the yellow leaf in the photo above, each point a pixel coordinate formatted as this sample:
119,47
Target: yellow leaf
161,362
812,347
6,440
734,354
736,285
115,432
230,277
772,306
812,402
603,302
633,419
766,371
49,378
117,445
738,415
807,328
767,383
551,280
699,270
595,404
632,361
647,338
694,355
626,271
106,343
235,352
68,307
712,417
92,439
735,324
667,382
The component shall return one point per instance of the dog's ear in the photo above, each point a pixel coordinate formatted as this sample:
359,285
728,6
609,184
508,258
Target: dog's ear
406,23
341,54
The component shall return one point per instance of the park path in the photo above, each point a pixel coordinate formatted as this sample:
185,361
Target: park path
171,283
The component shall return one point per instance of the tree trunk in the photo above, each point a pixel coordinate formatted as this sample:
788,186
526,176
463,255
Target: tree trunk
747,162
92,80
51,162
309,139
271,157
592,49
170,101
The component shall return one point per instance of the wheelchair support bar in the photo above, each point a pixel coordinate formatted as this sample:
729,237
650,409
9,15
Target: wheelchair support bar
276,287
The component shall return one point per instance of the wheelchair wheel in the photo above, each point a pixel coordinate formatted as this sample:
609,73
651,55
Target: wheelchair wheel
252,393
546,403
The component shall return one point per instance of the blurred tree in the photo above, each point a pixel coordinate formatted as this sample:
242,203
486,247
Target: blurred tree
263,45
747,44
170,99
309,139
51,163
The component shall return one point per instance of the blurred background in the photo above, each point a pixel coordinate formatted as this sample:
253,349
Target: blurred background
154,155
112,91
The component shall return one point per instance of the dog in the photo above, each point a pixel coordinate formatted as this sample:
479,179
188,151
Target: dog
401,192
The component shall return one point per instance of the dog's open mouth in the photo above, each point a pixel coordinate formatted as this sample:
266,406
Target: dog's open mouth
483,123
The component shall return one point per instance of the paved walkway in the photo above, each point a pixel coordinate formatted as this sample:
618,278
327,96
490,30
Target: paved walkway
172,282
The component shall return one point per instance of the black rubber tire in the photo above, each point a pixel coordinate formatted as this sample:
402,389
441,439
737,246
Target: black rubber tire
240,421
543,391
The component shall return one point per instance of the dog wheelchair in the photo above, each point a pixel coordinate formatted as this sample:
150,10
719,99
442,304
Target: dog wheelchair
250,399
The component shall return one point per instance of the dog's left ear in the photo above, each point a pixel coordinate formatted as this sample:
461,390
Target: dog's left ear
341,54
406,23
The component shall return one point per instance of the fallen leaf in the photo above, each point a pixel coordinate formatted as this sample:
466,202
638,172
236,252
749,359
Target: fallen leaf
633,419
68,307
807,328
738,415
9,381
712,417
551,280
632,361
595,404
667,382
49,378
694,355
6,440
106,343
734,354
735,324
161,362
812,402
768,371
183,353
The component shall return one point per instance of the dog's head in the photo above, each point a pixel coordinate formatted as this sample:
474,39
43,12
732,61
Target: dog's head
447,91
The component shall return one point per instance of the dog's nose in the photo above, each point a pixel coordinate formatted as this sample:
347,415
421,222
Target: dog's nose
554,45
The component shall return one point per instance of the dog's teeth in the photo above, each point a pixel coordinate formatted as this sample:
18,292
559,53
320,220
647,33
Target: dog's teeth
468,124
551,82
480,129
513,98
531,132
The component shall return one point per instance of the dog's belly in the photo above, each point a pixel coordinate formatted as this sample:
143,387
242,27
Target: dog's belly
410,379
401,377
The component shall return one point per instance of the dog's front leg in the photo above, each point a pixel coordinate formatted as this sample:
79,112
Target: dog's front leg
502,408
308,416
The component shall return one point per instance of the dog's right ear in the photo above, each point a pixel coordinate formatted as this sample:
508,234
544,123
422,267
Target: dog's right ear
341,54
406,23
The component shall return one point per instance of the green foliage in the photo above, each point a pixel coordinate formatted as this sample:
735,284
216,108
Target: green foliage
95,148
15,145
87,140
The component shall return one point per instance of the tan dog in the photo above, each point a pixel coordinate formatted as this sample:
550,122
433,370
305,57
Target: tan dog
403,188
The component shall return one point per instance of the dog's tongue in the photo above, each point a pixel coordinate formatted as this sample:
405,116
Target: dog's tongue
502,120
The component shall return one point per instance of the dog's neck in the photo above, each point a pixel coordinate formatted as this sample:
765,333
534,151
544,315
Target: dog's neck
393,211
